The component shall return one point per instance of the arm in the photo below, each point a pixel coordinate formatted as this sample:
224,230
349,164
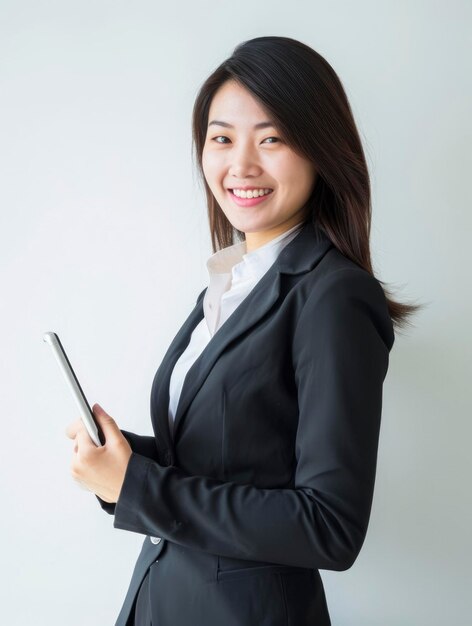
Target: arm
143,445
340,358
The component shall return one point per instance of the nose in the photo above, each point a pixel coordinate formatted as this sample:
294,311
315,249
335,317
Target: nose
244,162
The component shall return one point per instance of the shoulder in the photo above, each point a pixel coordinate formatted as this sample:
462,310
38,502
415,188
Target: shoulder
341,295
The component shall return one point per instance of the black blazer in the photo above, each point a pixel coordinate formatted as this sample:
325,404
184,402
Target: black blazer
270,474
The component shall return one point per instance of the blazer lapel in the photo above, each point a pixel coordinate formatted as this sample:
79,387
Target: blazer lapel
160,385
300,255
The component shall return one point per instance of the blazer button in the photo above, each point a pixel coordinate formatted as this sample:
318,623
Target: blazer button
155,540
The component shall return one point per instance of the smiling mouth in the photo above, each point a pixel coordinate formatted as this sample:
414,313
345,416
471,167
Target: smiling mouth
249,202
259,192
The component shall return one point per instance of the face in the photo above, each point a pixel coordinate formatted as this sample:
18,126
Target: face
238,154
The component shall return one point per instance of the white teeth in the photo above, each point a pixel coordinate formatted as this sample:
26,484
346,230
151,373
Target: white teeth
251,193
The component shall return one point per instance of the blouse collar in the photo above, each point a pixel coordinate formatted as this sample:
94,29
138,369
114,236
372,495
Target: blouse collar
246,265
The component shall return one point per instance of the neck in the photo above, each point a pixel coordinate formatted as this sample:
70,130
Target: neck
256,240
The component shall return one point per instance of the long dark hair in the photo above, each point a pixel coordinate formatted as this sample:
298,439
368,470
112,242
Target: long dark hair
305,98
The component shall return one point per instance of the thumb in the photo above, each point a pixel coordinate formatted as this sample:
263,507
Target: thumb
107,423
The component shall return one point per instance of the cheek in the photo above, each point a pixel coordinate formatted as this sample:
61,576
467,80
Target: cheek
303,178
205,162
210,164
295,187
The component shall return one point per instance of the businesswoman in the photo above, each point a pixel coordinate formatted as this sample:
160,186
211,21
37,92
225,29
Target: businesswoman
266,407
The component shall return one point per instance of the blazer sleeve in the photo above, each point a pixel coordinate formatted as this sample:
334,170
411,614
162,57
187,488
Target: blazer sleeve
142,444
341,345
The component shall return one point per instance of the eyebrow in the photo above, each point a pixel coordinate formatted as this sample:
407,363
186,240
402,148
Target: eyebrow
267,124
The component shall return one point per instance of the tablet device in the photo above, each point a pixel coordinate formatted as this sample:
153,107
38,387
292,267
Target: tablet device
85,412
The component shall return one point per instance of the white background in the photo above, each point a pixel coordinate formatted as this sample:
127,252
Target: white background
104,239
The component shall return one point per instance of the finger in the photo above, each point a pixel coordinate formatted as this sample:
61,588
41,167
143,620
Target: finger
107,424
72,429
84,443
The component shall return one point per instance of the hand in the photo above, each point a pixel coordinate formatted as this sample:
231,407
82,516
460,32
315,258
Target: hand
100,469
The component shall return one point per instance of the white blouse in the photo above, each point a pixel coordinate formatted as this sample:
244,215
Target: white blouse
233,273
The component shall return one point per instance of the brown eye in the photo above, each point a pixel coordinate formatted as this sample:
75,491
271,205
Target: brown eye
215,139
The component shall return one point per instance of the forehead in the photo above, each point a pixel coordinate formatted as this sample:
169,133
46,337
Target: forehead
234,105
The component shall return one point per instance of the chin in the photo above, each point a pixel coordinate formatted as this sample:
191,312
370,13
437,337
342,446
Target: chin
247,227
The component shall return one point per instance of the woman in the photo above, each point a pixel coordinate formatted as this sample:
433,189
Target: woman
266,407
